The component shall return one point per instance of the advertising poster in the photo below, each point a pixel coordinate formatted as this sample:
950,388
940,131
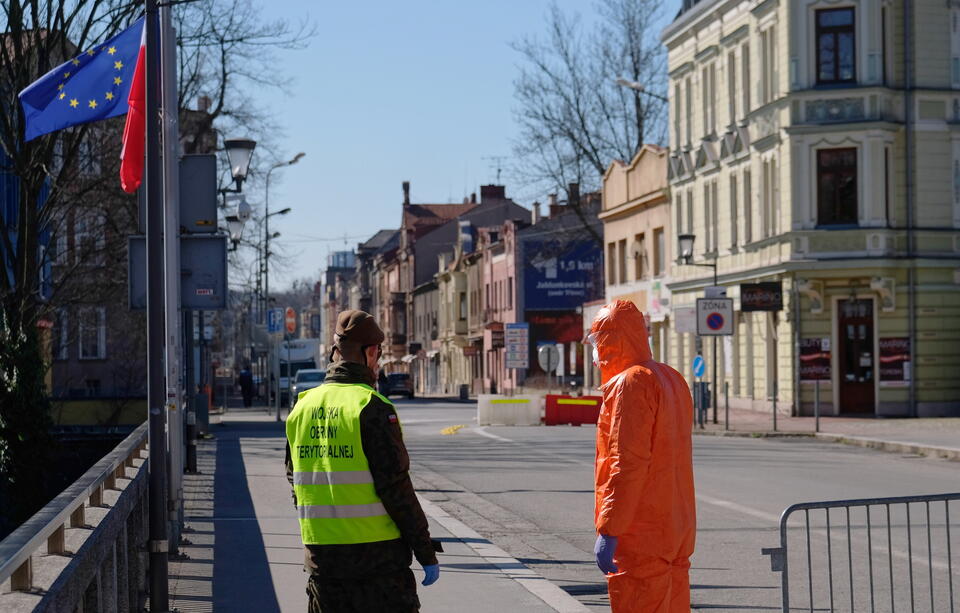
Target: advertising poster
814,359
894,361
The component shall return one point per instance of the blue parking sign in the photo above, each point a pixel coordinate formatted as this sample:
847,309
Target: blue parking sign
274,320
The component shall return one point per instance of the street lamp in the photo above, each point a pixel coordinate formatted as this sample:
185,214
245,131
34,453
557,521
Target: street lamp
639,87
239,152
266,249
685,249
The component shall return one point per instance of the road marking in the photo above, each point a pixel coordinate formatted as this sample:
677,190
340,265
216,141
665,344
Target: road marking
452,429
739,508
482,431
553,595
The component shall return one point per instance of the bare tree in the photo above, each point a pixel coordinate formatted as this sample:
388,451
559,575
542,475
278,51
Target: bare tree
574,118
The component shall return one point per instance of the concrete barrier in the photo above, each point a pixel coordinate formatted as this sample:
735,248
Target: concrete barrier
498,410
574,410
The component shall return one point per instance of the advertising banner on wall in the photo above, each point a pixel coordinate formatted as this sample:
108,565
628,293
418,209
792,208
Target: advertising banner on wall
766,296
561,276
814,359
894,361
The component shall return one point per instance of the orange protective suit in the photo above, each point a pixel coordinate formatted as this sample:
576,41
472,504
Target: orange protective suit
644,470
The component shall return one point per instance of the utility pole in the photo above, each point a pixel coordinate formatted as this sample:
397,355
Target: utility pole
171,247
157,544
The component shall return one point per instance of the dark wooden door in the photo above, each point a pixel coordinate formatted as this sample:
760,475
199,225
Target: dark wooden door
855,360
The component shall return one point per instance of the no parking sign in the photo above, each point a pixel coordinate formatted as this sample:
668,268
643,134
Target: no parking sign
714,316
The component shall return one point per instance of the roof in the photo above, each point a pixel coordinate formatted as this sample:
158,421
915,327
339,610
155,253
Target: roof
567,220
423,217
379,239
392,242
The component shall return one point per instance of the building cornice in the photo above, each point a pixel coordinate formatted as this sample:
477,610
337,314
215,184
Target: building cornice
681,70
709,52
735,36
645,202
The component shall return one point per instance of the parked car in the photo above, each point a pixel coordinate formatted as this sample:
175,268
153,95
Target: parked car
397,383
306,378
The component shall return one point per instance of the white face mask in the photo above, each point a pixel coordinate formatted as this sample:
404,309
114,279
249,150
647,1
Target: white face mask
592,339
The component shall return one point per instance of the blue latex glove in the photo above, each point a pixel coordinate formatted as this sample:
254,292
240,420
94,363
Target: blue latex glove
604,549
432,572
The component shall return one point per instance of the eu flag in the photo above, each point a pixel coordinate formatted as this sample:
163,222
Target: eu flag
90,87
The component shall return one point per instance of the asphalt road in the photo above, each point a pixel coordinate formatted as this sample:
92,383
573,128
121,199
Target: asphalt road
530,491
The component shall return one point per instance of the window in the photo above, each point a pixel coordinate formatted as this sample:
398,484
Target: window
768,65
611,264
60,343
745,77
714,229
708,87
707,221
688,119
659,252
836,49
677,111
92,333
690,212
487,294
679,206
88,238
747,208
622,259
463,306
732,85
733,210
837,186
639,257
509,292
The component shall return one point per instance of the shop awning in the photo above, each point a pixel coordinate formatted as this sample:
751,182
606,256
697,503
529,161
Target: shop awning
408,358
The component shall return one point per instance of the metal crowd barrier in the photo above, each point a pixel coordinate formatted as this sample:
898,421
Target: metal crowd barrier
84,551
871,554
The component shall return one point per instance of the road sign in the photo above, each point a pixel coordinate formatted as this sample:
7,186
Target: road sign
548,357
714,316
274,321
715,291
699,366
290,319
516,340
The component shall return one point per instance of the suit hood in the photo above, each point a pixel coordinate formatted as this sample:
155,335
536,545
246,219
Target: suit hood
621,338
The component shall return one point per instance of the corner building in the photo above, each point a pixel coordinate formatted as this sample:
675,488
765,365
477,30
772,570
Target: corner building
817,144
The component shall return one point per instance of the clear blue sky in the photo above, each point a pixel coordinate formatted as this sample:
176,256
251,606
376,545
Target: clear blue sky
420,90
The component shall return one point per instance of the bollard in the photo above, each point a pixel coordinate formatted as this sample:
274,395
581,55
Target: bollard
192,442
816,404
774,405
726,405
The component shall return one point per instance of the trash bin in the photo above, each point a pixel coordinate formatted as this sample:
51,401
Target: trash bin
464,392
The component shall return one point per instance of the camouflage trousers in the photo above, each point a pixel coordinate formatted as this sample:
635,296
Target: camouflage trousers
395,592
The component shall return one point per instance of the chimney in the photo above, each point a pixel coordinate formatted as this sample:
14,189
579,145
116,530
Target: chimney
473,197
406,193
573,191
203,104
536,213
553,207
492,192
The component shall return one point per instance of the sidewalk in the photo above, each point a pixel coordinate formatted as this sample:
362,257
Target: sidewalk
935,437
245,553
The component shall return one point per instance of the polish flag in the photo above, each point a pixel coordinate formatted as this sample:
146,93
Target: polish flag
131,157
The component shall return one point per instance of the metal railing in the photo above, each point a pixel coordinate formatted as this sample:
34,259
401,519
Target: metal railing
105,564
887,545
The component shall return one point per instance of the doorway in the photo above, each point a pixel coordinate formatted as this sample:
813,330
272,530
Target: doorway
855,355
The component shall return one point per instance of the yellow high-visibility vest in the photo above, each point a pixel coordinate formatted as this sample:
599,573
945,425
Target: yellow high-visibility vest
336,500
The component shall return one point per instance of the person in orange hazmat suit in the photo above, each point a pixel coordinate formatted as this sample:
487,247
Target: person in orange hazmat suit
645,512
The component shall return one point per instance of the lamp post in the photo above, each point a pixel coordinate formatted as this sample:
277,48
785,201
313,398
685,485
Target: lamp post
266,250
685,248
639,87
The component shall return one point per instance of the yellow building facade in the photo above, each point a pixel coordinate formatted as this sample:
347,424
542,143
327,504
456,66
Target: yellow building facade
815,145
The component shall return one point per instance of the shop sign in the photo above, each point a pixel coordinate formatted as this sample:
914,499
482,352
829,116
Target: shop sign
470,351
767,296
814,359
894,361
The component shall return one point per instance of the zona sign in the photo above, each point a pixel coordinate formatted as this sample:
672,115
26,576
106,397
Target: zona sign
714,316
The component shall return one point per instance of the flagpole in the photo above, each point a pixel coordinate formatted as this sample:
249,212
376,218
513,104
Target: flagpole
157,544
171,247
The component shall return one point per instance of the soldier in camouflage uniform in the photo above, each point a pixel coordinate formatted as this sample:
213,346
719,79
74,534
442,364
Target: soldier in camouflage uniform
374,576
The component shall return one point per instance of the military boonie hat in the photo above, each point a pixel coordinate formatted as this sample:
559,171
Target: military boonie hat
355,330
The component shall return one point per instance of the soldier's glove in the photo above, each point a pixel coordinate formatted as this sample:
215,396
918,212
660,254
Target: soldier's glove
604,549
432,573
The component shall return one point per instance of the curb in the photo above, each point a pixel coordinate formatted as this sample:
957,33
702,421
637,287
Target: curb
754,434
946,453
